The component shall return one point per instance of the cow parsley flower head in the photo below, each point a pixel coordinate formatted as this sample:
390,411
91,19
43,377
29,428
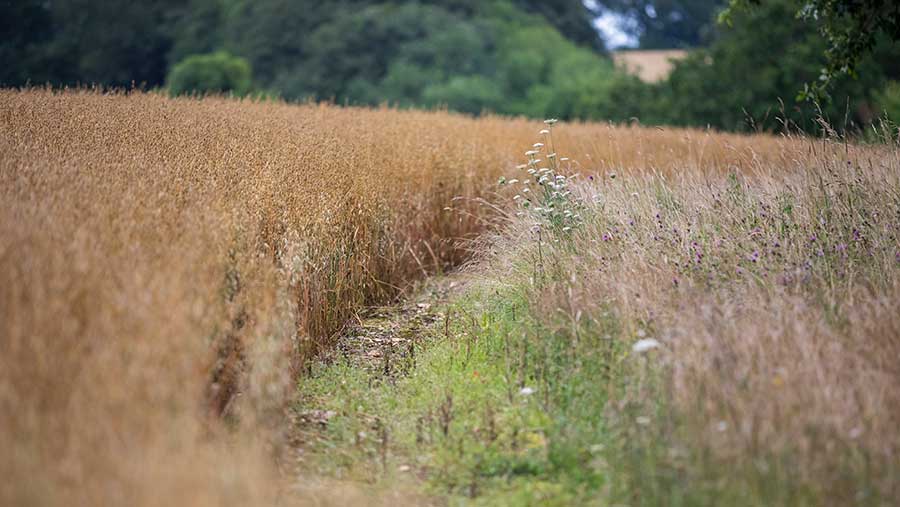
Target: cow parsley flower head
645,345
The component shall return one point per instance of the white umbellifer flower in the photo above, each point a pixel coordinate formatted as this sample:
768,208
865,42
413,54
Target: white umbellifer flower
543,179
567,229
544,170
514,180
551,121
551,155
642,420
530,153
532,171
521,166
538,145
543,132
560,177
526,391
644,345
517,197
526,190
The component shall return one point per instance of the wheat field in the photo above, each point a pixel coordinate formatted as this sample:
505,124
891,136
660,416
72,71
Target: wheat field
167,266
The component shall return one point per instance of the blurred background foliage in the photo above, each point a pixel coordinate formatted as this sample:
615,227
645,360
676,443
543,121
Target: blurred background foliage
520,57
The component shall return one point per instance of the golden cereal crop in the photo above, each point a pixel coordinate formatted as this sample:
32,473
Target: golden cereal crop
167,264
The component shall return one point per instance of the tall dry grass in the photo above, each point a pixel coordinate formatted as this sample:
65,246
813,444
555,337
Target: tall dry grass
166,266
767,304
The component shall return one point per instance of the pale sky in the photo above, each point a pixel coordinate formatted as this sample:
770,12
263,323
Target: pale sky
609,26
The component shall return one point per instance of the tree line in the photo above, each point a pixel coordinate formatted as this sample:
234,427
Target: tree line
519,57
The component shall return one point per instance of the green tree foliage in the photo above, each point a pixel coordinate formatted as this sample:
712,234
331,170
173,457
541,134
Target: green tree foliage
750,77
466,55
68,42
217,72
888,101
25,27
115,43
851,29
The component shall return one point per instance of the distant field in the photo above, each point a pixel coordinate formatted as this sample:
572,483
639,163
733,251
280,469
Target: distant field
167,267
651,65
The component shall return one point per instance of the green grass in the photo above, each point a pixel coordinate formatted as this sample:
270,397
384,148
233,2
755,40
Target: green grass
461,419
458,426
